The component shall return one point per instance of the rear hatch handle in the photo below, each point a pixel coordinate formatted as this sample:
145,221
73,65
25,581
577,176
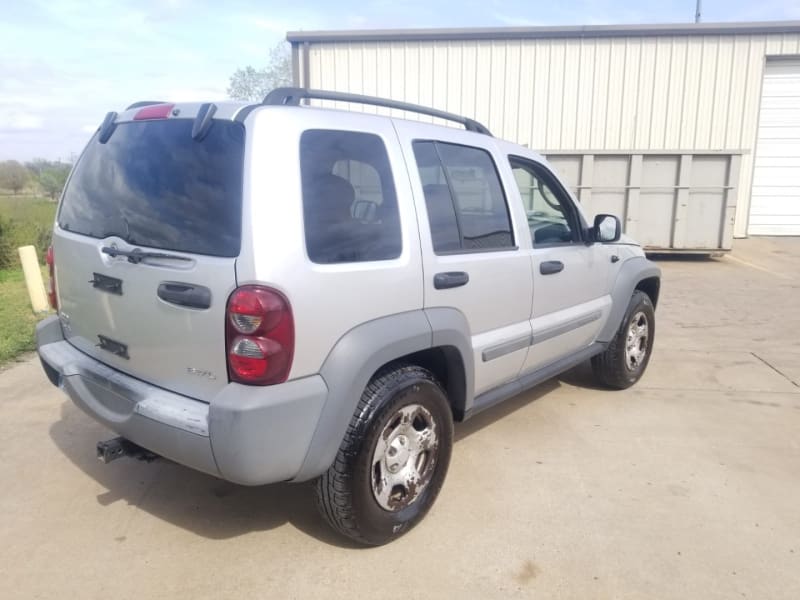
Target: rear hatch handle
136,255
185,294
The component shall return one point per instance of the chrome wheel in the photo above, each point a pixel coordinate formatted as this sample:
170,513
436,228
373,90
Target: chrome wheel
404,457
636,341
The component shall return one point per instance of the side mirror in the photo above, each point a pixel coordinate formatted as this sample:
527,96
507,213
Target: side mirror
607,228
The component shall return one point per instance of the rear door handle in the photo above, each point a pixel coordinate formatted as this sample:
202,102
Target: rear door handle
185,294
549,267
451,279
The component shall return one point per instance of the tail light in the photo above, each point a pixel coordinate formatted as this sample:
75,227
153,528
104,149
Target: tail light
259,335
51,283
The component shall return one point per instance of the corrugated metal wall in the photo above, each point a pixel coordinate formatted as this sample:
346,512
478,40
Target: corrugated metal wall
641,93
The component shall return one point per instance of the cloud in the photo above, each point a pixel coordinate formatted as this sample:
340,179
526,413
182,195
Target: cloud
515,20
194,94
20,121
357,21
279,26
272,25
767,10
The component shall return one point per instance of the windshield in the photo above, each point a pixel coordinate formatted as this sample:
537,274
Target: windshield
153,185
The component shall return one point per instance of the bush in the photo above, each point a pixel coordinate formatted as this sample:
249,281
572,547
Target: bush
13,176
7,249
44,235
53,178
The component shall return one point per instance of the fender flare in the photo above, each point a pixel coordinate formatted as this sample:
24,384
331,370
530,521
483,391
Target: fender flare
633,271
354,360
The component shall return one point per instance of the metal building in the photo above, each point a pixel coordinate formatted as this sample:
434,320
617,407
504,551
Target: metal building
664,125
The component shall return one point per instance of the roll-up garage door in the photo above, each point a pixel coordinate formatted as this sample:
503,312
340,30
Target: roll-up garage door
775,201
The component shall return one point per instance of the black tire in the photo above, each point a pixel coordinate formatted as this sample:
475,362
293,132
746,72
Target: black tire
613,367
345,495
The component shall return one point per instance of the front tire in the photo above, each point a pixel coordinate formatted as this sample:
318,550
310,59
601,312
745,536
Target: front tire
393,459
624,361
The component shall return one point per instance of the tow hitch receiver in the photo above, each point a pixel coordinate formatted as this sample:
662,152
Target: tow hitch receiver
119,447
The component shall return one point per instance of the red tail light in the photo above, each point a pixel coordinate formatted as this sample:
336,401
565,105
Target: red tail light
259,336
155,111
51,283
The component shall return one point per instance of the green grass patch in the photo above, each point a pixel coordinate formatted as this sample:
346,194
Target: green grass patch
26,208
17,320
24,221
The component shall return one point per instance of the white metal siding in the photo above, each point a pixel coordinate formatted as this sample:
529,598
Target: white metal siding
775,204
639,93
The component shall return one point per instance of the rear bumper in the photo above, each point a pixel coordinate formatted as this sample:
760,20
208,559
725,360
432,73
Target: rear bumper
248,435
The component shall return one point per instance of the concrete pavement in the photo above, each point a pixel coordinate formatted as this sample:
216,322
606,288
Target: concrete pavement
685,486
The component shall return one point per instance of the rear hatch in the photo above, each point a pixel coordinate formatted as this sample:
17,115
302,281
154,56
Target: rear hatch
145,245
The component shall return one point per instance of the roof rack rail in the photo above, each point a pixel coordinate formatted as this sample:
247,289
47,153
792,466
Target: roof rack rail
145,103
292,96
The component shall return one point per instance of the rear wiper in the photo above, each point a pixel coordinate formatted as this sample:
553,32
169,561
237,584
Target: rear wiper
136,255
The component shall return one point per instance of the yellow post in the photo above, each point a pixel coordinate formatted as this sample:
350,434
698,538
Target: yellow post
33,278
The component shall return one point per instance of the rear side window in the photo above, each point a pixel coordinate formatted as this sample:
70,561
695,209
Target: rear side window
467,209
153,185
349,201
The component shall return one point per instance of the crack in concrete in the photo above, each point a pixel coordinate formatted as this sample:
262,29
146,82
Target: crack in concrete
777,370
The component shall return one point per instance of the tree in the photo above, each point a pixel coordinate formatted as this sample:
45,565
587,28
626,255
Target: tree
13,176
253,84
37,165
52,179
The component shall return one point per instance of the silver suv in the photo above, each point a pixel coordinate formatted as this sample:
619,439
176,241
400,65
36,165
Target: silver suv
277,292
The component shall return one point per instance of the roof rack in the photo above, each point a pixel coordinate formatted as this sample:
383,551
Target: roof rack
289,96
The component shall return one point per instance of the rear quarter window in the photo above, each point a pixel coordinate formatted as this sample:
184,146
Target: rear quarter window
153,185
350,211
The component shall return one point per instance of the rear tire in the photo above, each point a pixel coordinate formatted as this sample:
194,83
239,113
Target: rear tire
624,361
393,459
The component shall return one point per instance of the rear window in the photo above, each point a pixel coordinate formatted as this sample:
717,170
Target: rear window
153,185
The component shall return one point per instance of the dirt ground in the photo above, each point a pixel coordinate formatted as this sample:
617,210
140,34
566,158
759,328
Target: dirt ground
685,486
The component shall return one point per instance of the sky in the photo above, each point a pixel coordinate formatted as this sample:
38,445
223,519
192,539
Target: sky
65,63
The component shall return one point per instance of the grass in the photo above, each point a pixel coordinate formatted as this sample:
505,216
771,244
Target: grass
29,221
27,208
17,320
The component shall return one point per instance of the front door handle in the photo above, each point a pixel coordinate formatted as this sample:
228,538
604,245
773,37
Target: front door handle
549,267
451,279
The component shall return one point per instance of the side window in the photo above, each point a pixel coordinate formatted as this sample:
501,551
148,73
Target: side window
551,215
349,201
466,206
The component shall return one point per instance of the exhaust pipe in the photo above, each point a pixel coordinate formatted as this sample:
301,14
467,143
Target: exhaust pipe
119,447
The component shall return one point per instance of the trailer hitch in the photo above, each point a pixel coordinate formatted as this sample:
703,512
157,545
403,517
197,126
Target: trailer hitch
119,447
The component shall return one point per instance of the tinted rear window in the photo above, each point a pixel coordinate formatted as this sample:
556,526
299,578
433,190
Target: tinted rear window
153,185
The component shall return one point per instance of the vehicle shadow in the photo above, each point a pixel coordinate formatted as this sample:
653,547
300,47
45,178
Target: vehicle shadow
504,409
581,376
213,508
185,498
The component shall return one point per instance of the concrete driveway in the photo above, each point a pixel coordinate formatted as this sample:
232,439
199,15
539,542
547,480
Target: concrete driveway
686,486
